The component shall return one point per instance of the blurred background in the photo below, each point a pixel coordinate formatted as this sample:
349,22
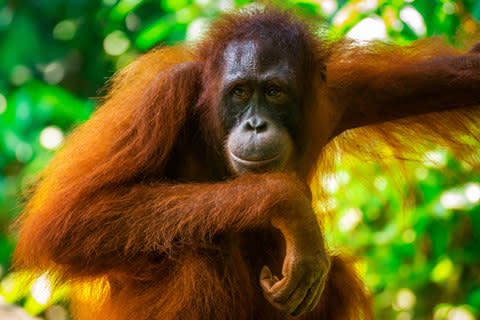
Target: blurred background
421,251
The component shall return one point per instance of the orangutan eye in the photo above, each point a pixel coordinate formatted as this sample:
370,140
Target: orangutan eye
274,92
240,92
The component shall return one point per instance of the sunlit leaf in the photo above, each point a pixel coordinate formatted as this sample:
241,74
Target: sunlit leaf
15,286
123,8
443,270
174,5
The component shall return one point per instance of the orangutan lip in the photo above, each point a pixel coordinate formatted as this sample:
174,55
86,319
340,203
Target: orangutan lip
254,162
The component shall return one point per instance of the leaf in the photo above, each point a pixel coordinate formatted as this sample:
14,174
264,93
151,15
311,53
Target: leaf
14,51
58,105
473,298
442,270
476,10
174,5
123,8
156,32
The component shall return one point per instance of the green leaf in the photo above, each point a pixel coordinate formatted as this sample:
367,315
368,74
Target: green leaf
21,44
155,32
15,286
58,105
123,8
7,244
174,5
476,10
474,298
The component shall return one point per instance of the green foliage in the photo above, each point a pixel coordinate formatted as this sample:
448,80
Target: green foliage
420,242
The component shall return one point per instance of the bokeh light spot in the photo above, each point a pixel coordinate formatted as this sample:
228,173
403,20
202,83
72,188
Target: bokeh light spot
54,73
370,28
196,29
202,2
225,5
435,159
116,43
330,183
366,5
460,313
404,300
380,183
343,177
414,20
442,271
421,173
65,30
42,290
409,236
351,218
3,103
51,137
185,15
326,205
449,8
472,192
329,6
20,75
132,21
341,17
452,200
23,152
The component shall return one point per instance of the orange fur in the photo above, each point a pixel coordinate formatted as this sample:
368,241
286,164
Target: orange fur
140,213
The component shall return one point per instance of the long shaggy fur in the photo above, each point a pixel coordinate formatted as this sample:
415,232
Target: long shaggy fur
138,212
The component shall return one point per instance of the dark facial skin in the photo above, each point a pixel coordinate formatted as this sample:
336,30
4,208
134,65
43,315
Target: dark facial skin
261,114
259,108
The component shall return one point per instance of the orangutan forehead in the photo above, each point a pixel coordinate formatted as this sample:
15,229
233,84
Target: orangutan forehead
250,59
